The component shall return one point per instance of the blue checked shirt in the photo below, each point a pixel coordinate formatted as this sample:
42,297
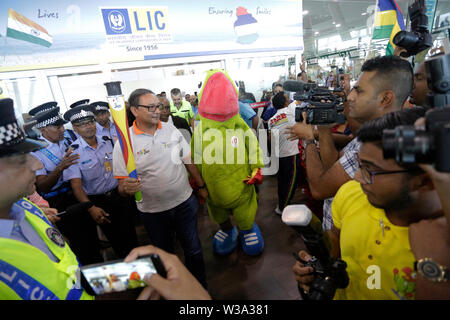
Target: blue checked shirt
349,162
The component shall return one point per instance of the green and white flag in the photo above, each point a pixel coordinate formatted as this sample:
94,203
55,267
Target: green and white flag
22,28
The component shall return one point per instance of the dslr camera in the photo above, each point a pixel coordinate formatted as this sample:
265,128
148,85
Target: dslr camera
410,145
419,38
321,105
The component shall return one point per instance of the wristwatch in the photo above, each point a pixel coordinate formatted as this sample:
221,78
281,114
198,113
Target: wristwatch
432,270
203,186
306,142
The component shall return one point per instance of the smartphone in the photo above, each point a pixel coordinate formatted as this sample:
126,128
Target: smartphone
116,276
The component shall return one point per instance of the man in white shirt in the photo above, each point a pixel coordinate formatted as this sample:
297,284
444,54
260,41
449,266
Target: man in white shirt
162,157
288,152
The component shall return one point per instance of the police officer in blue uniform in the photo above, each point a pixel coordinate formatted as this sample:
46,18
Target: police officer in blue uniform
81,102
92,180
34,258
69,135
55,158
105,127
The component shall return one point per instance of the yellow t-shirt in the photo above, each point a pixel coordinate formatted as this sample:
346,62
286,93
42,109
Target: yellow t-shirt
379,266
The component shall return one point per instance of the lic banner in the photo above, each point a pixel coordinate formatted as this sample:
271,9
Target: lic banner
105,31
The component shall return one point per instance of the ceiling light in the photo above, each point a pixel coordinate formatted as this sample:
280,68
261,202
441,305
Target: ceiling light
338,25
305,12
317,32
364,13
334,22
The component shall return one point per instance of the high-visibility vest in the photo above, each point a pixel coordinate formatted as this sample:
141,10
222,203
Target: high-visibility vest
29,274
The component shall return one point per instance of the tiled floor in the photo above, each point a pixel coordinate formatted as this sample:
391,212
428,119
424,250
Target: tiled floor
241,277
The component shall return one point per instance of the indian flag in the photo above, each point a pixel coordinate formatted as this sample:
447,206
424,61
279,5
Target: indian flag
388,21
22,28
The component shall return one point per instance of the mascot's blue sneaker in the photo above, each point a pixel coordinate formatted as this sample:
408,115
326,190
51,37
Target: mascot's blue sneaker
252,241
225,242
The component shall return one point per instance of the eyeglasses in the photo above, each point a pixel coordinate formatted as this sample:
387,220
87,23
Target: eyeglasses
368,175
152,107
84,123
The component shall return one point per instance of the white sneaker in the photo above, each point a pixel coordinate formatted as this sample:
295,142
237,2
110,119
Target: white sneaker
278,211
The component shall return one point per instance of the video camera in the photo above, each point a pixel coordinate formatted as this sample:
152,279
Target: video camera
419,38
330,273
410,145
321,104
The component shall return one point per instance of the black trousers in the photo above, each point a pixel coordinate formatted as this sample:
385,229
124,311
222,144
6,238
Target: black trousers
288,175
121,232
78,228
179,222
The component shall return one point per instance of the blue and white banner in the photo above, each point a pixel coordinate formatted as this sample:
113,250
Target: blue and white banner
99,31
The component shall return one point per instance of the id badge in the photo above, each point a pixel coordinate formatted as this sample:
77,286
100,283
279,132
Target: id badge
108,167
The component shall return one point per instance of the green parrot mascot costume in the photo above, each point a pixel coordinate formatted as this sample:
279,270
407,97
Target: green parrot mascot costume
229,159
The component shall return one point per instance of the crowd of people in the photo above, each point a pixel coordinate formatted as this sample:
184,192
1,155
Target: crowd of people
377,213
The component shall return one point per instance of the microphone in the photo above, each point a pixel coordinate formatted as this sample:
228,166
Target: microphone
76,208
295,85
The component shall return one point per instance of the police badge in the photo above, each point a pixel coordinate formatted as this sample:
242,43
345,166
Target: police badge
56,237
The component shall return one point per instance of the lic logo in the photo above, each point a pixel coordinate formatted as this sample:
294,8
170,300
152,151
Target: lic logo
116,21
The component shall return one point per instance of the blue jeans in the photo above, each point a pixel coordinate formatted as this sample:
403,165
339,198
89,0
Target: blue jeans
180,222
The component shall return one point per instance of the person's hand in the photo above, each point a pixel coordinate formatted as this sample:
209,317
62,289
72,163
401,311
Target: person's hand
51,214
300,130
99,215
399,50
345,83
429,238
255,177
131,185
180,283
68,160
303,275
203,193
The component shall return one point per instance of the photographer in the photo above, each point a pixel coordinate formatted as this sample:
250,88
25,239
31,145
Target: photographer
383,86
385,209
421,89
389,209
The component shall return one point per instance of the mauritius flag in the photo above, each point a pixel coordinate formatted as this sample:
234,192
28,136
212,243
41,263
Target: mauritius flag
388,21
22,28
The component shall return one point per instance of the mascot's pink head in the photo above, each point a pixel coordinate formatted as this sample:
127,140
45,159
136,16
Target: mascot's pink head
219,100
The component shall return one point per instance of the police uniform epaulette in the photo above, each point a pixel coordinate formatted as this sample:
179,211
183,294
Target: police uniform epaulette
74,146
106,138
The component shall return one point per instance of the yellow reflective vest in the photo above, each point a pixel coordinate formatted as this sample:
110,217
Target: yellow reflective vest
29,274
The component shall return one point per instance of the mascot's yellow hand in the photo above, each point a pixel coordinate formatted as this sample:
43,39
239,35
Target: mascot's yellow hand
255,178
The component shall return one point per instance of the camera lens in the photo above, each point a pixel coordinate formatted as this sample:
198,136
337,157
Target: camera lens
389,144
406,39
408,145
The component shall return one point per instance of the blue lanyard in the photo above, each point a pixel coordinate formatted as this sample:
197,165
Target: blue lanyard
50,156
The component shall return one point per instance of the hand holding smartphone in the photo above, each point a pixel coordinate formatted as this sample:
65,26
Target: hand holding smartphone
116,276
